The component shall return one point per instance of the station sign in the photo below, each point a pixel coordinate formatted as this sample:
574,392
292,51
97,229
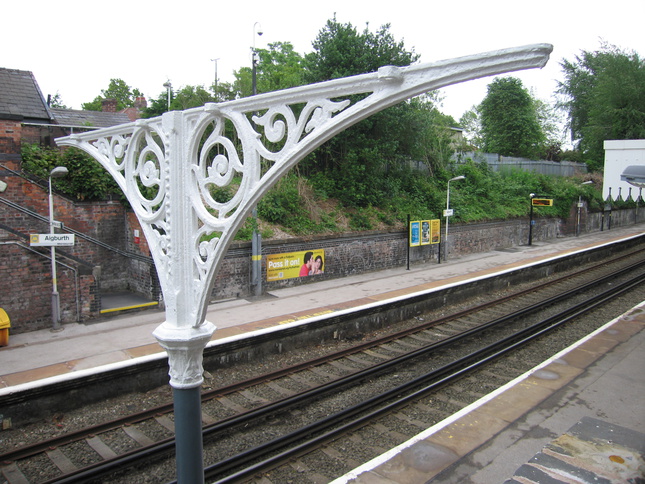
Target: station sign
51,240
542,202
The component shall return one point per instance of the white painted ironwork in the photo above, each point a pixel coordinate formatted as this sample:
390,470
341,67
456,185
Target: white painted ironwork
169,168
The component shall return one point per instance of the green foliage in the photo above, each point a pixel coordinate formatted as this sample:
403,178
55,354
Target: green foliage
185,98
251,225
284,205
340,51
86,180
56,101
604,98
361,164
117,89
360,220
279,67
509,120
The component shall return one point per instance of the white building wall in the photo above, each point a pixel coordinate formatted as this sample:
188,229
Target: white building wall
619,154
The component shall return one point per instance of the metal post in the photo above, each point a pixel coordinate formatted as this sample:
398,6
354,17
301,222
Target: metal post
447,214
188,435
256,240
408,248
531,219
578,218
168,87
58,172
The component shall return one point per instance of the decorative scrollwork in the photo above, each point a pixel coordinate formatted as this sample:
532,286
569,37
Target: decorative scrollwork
185,159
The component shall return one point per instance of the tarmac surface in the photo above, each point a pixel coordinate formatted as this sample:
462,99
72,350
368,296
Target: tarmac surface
578,417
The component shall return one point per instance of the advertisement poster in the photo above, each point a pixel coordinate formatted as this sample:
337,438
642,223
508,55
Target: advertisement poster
425,232
295,264
415,233
435,231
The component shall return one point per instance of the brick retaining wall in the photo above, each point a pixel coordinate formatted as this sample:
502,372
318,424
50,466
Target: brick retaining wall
88,270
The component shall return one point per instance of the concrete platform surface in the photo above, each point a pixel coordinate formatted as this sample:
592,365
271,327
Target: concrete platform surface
577,418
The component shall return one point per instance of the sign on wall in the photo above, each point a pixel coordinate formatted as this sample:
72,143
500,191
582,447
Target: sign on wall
51,240
295,264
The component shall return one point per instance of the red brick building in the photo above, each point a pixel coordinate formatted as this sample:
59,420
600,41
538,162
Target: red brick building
105,257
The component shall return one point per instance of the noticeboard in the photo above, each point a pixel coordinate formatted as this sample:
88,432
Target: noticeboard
425,232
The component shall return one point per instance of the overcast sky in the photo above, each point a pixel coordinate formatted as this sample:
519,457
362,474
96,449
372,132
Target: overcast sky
74,47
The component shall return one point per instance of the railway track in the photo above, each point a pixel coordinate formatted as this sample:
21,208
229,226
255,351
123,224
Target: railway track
306,409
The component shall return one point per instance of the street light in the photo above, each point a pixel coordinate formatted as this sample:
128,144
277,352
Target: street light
257,29
588,182
168,87
58,172
256,239
215,61
448,212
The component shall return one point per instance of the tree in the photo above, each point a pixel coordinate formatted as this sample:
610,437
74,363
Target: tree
56,101
604,97
471,123
341,51
359,159
278,67
509,120
125,96
187,97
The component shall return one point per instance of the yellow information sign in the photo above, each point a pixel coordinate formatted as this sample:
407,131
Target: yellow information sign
435,231
542,202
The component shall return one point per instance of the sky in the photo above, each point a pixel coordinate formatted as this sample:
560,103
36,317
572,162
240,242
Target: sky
74,47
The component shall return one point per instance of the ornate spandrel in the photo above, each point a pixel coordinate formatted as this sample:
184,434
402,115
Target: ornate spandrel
170,167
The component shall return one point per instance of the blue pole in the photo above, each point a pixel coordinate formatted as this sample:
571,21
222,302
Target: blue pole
188,435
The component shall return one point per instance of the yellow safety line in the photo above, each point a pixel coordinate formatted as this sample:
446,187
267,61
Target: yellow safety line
154,303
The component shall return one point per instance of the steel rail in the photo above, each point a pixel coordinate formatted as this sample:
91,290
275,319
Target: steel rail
80,434
168,444
451,372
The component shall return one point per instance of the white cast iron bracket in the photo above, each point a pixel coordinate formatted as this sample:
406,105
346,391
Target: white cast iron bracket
169,167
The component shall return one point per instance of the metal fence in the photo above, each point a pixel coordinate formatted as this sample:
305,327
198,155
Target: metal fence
506,163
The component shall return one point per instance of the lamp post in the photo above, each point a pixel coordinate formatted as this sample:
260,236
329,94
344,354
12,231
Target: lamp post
215,61
257,30
448,212
531,196
256,240
168,87
589,182
58,172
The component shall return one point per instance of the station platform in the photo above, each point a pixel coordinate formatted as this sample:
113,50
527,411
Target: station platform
44,354
531,427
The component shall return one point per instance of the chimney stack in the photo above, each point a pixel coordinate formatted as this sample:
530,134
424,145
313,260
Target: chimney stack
140,103
109,106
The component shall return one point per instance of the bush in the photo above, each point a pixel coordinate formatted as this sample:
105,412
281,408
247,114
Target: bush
86,180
